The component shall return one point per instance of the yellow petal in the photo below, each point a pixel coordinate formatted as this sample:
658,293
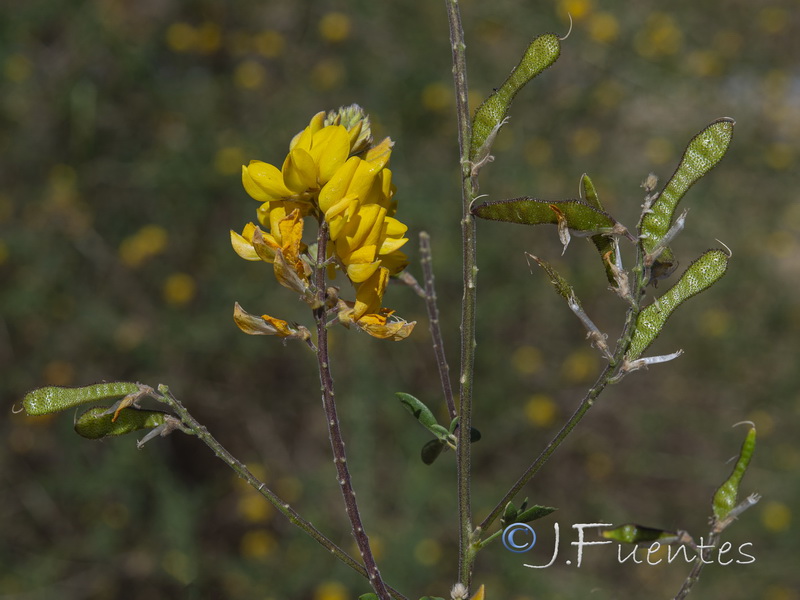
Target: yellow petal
480,594
269,178
379,154
364,180
303,139
265,245
370,293
253,325
391,244
360,272
337,187
394,262
395,228
367,219
242,246
254,190
395,331
330,149
291,229
299,171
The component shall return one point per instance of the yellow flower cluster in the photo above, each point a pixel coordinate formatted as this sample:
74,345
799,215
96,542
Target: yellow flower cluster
334,173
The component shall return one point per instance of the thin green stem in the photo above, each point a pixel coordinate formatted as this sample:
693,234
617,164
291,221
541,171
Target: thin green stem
334,430
426,259
280,505
700,562
469,302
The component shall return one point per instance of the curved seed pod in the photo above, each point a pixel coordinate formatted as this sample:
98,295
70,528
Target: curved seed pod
724,499
581,217
542,52
704,151
602,242
630,533
96,423
701,274
50,399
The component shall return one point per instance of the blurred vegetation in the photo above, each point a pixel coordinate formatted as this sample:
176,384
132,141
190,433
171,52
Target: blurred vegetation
123,127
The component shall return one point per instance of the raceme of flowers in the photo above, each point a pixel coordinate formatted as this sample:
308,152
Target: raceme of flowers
335,174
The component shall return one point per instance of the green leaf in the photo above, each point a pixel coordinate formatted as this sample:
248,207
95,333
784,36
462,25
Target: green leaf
700,275
422,414
509,515
533,513
431,451
50,399
580,216
703,152
630,533
725,497
96,423
474,434
542,52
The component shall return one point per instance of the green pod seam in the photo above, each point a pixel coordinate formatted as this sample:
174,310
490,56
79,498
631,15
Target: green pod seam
542,52
96,423
702,153
700,275
724,500
50,399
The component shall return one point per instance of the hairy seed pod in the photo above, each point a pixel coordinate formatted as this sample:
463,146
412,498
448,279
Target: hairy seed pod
725,497
542,52
579,216
700,275
704,151
50,399
96,423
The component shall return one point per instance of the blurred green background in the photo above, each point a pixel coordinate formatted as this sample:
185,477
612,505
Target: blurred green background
123,127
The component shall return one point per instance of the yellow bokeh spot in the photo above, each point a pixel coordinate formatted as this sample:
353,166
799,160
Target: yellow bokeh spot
659,37
335,27
149,241
257,544
259,472
181,37
577,9
776,516
659,151
764,422
538,151
289,488
437,96
178,565
428,552
779,156
331,590
704,63
253,507
781,244
209,38
269,43
715,322
249,75
229,160
773,19
327,74
779,592
17,68
179,289
580,366
585,141
58,372
541,410
527,360
599,465
603,27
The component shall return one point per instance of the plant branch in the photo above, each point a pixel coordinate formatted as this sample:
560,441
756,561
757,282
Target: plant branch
282,506
426,260
334,431
699,563
466,552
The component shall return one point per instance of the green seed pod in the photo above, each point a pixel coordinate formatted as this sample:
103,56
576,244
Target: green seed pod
580,216
50,399
700,275
563,288
725,497
542,53
533,513
96,423
602,242
630,533
704,151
